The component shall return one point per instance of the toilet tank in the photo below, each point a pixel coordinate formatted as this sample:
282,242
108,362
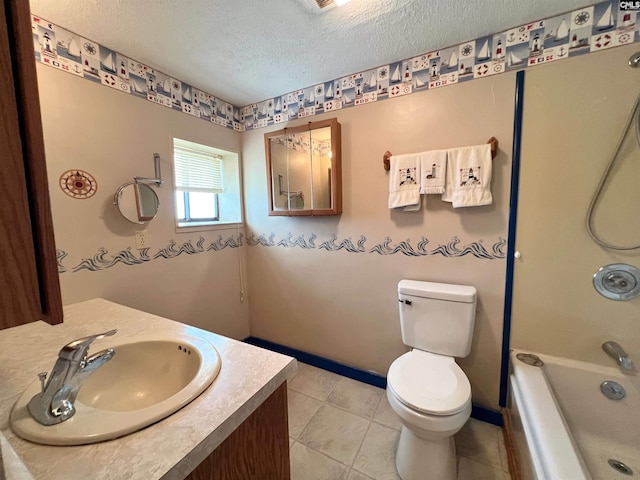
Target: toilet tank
437,317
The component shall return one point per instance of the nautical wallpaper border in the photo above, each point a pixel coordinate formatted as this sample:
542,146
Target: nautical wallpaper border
584,30
64,50
103,260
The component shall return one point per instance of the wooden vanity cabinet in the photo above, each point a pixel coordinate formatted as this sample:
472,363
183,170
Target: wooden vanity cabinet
257,450
29,283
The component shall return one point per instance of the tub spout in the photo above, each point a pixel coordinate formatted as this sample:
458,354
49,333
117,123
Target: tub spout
614,350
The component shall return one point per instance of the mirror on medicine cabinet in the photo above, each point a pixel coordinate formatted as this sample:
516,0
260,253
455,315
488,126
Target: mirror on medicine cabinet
304,169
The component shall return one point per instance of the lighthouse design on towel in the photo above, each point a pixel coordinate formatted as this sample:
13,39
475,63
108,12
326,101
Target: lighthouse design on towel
407,176
433,165
470,177
434,172
404,190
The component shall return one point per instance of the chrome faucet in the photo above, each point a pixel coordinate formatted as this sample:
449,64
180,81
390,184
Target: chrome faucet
614,350
55,403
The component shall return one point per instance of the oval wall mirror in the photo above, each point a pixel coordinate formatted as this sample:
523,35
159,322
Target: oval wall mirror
137,202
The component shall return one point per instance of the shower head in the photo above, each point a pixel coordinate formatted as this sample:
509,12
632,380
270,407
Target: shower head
634,60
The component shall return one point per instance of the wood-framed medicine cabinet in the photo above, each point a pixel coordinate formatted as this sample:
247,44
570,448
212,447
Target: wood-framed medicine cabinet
304,169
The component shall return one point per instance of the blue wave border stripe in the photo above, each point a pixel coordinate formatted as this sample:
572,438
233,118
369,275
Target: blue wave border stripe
60,256
101,260
451,249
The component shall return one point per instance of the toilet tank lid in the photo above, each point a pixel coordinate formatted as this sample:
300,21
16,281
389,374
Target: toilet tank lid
438,291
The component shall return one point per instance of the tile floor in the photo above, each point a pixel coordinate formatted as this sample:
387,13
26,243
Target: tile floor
343,429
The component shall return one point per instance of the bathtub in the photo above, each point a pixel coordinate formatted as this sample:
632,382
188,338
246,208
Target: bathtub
563,426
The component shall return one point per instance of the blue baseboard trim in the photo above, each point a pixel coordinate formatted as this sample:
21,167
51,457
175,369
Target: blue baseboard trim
321,362
486,415
479,413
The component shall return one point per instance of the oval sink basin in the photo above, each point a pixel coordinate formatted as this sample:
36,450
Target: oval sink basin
146,381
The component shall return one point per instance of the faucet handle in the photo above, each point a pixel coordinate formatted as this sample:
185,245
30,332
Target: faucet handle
42,376
77,350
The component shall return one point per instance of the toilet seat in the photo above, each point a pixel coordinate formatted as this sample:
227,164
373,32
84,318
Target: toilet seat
429,383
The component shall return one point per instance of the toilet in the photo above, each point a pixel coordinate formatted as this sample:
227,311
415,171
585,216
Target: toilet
425,387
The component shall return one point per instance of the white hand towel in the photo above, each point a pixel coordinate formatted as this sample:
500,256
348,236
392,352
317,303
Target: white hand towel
414,208
469,176
404,187
433,167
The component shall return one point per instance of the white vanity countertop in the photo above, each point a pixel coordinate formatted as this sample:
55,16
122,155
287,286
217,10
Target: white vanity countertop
169,449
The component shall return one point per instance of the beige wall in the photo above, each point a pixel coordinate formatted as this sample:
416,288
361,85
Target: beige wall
574,114
343,305
321,181
113,136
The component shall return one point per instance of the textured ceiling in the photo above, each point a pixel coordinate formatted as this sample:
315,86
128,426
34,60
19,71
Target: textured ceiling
244,51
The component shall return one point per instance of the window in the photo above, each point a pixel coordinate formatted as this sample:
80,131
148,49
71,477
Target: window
197,207
205,179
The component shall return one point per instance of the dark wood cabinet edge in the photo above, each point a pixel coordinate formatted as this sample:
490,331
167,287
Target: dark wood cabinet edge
510,446
26,85
336,167
303,213
258,449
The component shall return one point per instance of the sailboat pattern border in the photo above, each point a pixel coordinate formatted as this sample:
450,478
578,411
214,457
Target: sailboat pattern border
584,30
59,48
451,249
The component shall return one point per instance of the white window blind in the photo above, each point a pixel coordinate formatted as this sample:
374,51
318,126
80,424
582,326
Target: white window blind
197,171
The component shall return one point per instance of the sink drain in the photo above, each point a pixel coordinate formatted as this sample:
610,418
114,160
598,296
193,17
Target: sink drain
620,467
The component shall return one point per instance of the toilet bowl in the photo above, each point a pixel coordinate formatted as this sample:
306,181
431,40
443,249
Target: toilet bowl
432,396
425,387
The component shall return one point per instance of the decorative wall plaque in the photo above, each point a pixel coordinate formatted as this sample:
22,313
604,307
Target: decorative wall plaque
78,184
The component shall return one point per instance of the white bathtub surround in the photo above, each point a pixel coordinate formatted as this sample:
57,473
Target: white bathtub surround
565,427
551,450
248,376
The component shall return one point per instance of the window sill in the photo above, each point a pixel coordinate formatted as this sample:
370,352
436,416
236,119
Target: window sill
205,227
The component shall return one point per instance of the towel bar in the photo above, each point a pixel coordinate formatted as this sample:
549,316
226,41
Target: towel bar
494,151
